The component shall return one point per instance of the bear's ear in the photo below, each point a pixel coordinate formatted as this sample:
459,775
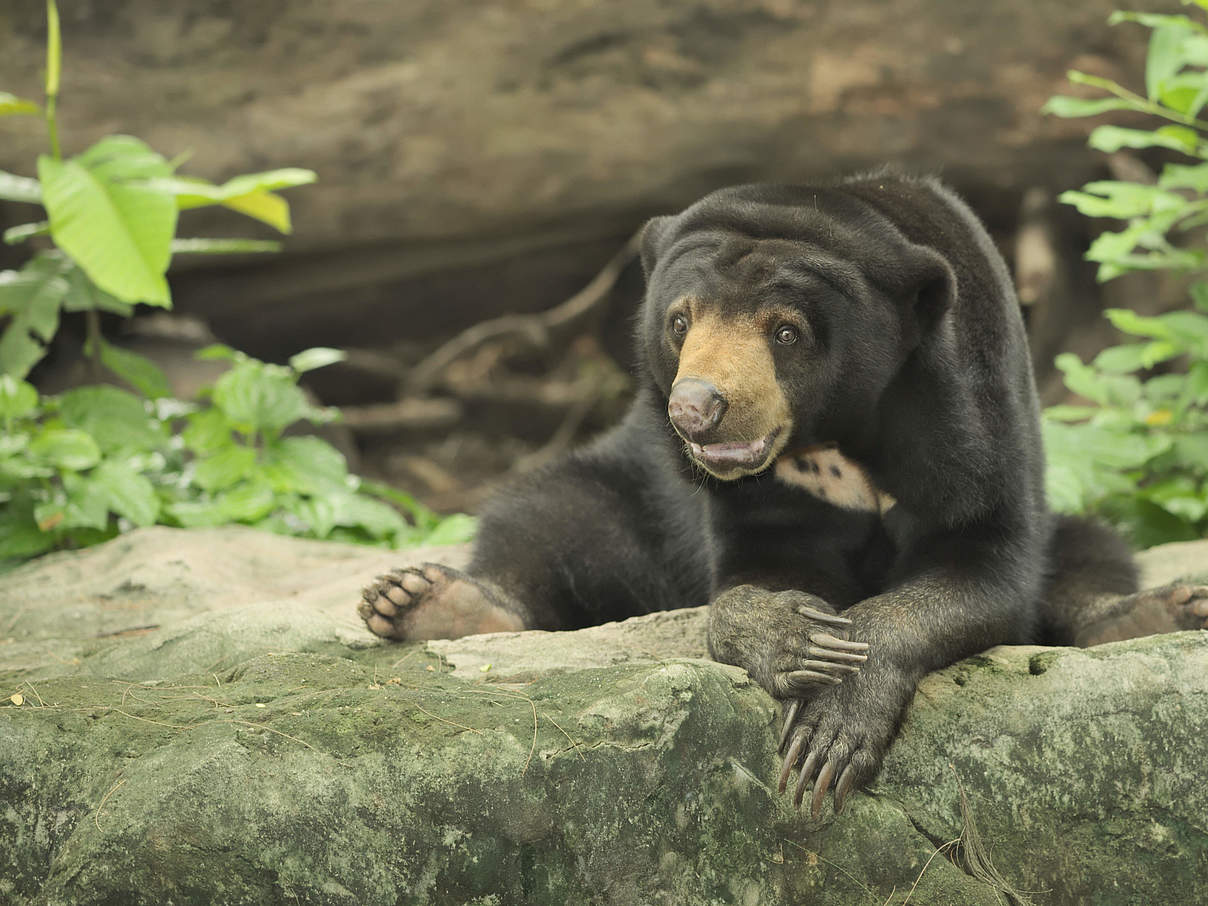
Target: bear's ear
932,288
652,242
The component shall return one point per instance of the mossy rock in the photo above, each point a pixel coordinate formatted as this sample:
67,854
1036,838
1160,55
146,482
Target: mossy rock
199,717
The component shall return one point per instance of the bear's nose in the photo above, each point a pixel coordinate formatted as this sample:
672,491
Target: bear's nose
695,407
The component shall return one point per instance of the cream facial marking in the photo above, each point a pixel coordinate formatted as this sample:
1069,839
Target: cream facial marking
829,475
733,353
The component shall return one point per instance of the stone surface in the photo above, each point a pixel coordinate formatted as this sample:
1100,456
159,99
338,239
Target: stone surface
198,717
477,157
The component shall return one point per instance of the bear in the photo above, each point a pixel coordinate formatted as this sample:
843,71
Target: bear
835,442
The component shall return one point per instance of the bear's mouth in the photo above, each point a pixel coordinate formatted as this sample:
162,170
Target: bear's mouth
734,458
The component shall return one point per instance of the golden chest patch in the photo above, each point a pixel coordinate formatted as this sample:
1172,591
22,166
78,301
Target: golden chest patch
829,475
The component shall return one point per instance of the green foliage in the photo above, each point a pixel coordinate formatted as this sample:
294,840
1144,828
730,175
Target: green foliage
1139,455
78,468
111,213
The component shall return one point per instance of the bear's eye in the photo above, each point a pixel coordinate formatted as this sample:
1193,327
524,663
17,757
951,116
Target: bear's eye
679,325
787,335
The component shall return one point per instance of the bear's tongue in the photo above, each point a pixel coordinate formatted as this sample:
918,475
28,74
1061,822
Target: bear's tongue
736,453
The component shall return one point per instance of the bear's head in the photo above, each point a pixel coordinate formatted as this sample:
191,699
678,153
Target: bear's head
775,317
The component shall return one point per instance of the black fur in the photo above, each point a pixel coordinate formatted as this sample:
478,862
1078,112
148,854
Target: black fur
914,361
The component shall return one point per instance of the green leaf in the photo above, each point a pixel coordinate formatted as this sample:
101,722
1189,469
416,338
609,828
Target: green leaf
106,217
316,514
246,503
66,448
1199,295
136,370
80,504
1110,139
1070,413
1108,198
1068,107
17,398
1165,388
1197,383
1184,93
1148,524
1104,389
19,533
455,529
1185,176
224,246
1165,57
1128,321
305,465
19,188
224,468
358,511
196,513
219,351
260,397
208,431
115,419
24,231
32,297
251,194
11,105
1186,326
1179,496
1063,489
83,295
126,492
1191,450
1122,359
316,357
1156,20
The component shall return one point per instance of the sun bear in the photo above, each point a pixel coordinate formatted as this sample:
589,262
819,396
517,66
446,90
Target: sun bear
835,442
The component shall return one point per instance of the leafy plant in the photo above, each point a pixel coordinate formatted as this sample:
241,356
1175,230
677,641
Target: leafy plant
78,468
1139,455
111,214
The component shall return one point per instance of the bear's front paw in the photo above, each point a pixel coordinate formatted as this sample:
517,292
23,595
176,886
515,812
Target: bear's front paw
789,641
839,738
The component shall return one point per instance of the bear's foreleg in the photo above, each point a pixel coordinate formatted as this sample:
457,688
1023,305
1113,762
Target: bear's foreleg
958,601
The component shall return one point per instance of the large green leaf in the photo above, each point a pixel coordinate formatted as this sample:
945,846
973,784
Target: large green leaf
31,298
105,213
